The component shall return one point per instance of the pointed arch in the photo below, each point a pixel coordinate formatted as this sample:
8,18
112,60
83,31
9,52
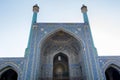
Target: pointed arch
113,63
41,43
60,67
67,34
10,66
112,72
66,31
64,41
8,73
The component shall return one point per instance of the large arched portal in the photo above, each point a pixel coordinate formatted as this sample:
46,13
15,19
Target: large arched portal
60,67
112,74
61,57
9,74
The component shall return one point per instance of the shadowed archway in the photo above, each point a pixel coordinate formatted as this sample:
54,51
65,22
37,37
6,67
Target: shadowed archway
9,74
112,74
60,67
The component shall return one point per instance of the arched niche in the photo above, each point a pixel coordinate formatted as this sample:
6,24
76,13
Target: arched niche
58,39
61,42
60,67
112,73
8,73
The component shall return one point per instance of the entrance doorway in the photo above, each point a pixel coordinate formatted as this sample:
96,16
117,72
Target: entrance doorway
9,75
60,67
112,74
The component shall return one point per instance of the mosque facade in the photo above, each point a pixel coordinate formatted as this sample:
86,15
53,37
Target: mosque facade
60,51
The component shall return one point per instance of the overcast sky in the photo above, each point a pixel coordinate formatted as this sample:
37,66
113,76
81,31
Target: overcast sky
16,16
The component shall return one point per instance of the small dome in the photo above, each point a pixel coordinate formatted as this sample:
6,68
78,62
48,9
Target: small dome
36,8
84,9
83,6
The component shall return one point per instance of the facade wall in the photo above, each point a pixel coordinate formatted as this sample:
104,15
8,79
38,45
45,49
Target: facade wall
16,64
108,61
29,67
80,31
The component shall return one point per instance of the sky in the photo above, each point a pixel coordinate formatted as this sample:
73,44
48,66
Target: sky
16,17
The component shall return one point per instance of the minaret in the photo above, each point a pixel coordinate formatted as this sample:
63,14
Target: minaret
28,75
34,20
92,52
86,21
35,11
84,11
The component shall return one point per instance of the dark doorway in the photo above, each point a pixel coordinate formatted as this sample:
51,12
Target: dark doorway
112,74
60,67
9,75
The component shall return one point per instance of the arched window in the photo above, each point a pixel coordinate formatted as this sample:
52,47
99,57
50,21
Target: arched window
112,73
9,74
